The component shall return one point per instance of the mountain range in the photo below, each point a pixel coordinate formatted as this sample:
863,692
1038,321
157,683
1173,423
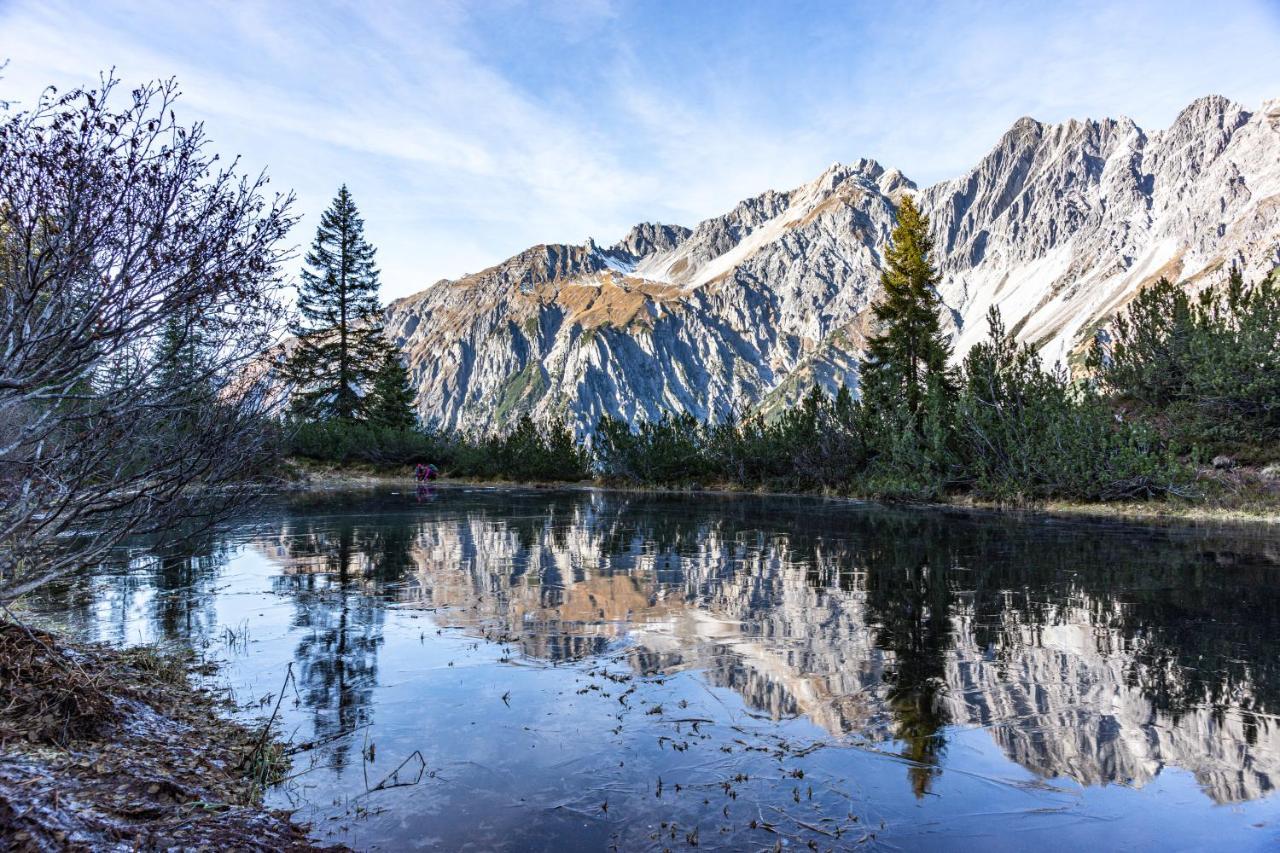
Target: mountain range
1059,225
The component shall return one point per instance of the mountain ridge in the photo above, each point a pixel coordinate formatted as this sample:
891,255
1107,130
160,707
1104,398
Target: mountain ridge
1058,225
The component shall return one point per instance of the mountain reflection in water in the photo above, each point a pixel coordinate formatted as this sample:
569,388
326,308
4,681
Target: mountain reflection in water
1084,651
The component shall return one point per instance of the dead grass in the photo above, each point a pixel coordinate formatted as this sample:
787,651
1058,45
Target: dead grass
48,696
613,301
102,748
847,193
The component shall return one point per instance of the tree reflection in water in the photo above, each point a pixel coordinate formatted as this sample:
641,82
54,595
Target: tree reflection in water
333,570
1090,651
910,608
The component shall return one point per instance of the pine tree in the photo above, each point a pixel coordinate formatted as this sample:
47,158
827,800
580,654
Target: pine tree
181,376
906,360
180,357
340,347
390,401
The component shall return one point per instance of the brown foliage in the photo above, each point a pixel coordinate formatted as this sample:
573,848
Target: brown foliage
48,697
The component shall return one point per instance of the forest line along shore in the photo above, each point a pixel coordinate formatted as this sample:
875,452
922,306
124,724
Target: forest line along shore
1238,497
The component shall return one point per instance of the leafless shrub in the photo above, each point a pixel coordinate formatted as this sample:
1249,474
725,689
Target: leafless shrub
138,279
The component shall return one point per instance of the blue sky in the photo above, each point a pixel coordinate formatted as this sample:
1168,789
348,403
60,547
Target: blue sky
468,131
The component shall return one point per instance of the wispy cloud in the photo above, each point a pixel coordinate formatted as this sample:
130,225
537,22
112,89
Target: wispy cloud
468,131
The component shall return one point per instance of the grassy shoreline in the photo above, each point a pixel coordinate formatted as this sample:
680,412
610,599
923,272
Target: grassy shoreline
1233,497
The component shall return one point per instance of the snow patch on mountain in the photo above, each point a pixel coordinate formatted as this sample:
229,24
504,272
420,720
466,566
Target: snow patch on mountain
1058,226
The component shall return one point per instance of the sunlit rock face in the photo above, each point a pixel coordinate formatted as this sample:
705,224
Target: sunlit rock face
704,321
1058,226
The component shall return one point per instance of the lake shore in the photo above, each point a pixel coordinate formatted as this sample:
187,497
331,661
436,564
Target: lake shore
102,747
1239,496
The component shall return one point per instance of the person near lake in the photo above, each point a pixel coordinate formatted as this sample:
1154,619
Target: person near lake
425,473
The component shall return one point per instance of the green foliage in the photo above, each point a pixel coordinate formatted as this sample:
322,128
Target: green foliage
528,452
1002,428
520,391
753,451
1146,353
183,361
906,360
531,452
390,402
346,442
819,443
814,445
1012,432
339,348
910,455
184,378
908,392
670,451
1208,366
1025,433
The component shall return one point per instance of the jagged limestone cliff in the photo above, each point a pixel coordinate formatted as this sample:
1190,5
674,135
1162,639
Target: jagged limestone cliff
1059,225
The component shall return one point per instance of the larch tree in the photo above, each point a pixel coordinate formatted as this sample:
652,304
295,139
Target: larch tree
906,358
339,349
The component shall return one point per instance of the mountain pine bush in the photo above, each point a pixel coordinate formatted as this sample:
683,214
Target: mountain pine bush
1206,367
1025,433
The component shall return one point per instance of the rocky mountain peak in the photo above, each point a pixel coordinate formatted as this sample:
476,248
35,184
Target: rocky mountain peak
893,184
1057,226
1024,131
551,262
1208,111
867,171
648,238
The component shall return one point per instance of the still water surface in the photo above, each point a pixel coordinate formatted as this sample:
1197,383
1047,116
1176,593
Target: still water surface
517,669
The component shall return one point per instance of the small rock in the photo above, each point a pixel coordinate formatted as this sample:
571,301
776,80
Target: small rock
1270,473
1224,463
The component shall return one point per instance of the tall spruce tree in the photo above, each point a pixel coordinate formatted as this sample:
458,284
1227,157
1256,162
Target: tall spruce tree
391,397
906,359
340,347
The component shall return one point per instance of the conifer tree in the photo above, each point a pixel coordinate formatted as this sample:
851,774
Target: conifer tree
181,355
391,396
184,383
906,359
340,347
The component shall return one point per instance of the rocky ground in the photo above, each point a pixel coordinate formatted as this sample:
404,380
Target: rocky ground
118,750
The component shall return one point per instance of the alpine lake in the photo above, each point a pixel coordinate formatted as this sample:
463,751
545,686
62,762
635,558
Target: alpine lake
521,669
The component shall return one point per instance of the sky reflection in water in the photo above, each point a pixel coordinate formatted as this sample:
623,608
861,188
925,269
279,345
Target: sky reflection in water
580,669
